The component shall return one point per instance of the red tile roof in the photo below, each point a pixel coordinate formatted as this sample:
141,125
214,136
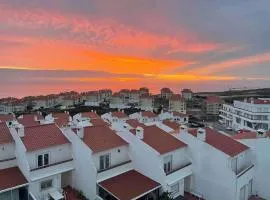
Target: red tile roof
102,138
166,90
5,135
42,137
187,91
129,185
222,142
134,123
8,117
61,119
172,124
148,114
247,135
98,122
11,177
160,140
119,114
30,119
91,115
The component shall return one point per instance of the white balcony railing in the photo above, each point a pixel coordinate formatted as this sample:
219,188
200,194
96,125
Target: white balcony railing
52,169
178,173
114,171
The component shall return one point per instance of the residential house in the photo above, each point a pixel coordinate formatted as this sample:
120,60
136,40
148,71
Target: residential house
174,116
177,103
113,117
144,116
166,93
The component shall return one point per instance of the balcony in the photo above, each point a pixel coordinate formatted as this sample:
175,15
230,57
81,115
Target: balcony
244,171
178,173
114,170
51,169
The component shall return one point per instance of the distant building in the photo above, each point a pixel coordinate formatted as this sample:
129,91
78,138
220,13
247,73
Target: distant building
177,103
212,105
166,93
187,94
116,101
144,91
134,96
147,102
250,114
105,95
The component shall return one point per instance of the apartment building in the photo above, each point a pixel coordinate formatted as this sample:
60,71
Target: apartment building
211,107
177,103
222,167
146,102
105,94
91,98
116,101
166,93
259,143
167,163
144,116
187,94
13,184
174,116
250,114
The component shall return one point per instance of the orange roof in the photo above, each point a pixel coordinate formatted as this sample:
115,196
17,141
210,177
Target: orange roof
102,138
8,117
42,137
11,177
222,142
247,135
166,90
160,140
134,123
5,135
213,99
30,119
129,185
172,124
61,119
98,122
148,114
119,114
178,114
91,115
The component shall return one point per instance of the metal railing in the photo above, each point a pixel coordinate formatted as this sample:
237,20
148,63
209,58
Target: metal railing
50,165
114,166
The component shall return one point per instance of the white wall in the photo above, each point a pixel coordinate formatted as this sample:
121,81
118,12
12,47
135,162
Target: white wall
179,158
85,173
260,148
34,187
7,151
116,157
56,154
212,176
144,158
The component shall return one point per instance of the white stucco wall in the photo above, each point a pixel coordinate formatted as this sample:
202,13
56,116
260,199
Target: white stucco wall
116,157
56,154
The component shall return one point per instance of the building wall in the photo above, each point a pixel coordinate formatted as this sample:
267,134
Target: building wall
261,160
212,176
179,158
116,157
85,174
34,186
179,106
7,151
56,154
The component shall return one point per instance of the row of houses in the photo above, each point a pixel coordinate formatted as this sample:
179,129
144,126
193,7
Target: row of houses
115,156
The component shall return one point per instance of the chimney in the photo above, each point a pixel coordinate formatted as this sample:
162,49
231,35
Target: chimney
80,132
245,100
35,118
139,132
183,129
252,100
201,134
20,130
261,133
69,118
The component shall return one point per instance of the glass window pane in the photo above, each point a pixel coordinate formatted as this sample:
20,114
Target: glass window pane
40,161
101,162
46,159
107,161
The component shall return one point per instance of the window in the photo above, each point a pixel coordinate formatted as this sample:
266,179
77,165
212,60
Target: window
43,160
104,161
168,164
175,189
44,185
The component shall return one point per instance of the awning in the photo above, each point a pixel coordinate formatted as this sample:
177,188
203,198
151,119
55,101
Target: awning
56,195
129,185
11,178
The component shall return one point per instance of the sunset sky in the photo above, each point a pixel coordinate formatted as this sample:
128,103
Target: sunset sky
48,46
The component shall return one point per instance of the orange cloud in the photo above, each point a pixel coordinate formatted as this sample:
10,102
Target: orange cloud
240,62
